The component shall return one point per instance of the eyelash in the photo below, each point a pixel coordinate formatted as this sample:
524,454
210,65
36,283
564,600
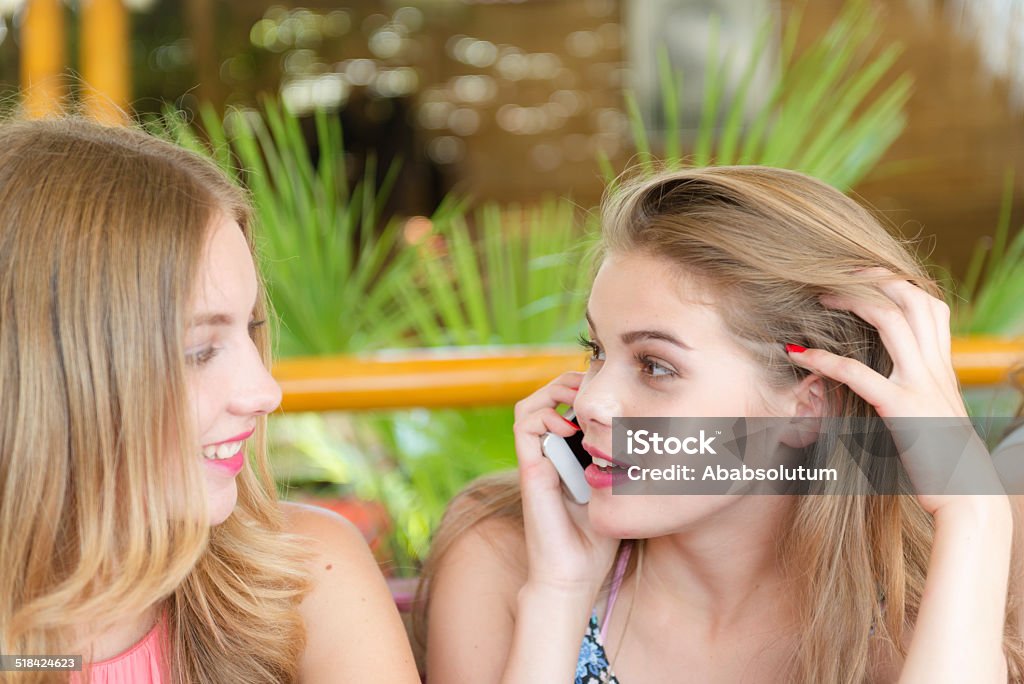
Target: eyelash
647,362
644,361
589,344
205,355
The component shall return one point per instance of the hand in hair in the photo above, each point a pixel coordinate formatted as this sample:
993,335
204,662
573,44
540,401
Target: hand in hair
920,399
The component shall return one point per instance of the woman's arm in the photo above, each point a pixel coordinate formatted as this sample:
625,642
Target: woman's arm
1008,458
524,625
958,636
353,630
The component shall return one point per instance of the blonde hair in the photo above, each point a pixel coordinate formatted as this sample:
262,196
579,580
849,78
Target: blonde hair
769,242
101,233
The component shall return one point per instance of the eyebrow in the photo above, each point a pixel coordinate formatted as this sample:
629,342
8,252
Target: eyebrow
641,335
218,319
211,319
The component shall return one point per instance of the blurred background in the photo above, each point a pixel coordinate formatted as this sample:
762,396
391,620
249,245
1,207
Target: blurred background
511,100
424,174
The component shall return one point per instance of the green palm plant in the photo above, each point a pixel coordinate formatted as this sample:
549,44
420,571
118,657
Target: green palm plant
990,299
334,263
519,281
828,113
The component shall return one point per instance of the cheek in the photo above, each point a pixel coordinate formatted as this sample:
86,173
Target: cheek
726,389
202,404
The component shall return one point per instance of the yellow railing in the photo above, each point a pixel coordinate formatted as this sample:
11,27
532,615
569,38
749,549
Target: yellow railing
489,376
105,77
43,57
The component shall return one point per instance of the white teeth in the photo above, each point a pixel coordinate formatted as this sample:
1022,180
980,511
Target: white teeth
222,451
601,463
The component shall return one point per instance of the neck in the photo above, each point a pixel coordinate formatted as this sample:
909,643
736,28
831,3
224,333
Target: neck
98,644
723,569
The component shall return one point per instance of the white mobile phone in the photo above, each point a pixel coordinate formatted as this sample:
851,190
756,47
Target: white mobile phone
569,458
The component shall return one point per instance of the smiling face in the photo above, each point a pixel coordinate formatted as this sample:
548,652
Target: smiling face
229,387
660,348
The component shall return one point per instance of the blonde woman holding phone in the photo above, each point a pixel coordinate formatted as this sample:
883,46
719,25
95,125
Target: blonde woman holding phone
751,292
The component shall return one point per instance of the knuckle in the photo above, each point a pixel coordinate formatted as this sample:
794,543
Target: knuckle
889,315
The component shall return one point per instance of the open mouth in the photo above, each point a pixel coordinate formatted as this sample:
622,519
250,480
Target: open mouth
606,466
222,452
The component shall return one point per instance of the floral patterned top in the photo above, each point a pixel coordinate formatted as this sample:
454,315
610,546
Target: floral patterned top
592,666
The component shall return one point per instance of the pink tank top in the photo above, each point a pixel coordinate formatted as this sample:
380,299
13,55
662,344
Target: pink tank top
140,664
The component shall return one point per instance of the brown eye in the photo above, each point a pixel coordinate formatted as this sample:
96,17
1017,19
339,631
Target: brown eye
201,357
654,369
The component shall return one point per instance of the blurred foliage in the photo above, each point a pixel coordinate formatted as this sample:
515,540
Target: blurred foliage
830,113
990,300
334,266
522,279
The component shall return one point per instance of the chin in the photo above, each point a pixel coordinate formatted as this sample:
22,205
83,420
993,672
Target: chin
221,504
631,516
620,518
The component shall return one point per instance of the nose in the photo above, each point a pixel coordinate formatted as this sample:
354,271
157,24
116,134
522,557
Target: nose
258,392
598,400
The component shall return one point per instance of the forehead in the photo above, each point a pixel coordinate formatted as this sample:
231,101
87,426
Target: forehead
636,291
226,278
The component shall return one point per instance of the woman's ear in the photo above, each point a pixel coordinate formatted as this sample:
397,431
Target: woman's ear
808,407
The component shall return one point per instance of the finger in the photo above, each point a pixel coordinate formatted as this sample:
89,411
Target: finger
892,327
928,317
541,493
570,379
549,396
873,387
531,428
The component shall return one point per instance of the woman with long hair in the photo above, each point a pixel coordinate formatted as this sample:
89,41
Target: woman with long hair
746,292
139,523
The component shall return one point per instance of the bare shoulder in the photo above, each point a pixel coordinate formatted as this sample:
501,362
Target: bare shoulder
473,599
495,551
353,630
330,533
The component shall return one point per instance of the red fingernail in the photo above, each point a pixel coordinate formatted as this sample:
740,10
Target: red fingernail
795,349
574,425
